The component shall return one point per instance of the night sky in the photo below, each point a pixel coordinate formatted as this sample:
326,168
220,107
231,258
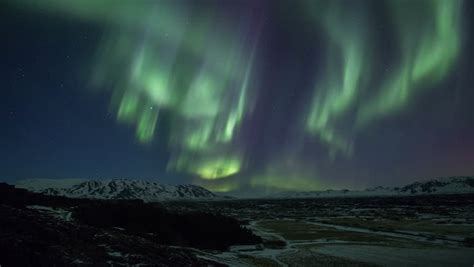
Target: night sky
242,97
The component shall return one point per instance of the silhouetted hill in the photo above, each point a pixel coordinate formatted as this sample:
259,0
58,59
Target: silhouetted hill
37,229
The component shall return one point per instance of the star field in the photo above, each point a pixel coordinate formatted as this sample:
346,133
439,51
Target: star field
246,97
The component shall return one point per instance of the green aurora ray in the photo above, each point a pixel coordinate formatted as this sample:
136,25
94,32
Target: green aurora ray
168,56
428,52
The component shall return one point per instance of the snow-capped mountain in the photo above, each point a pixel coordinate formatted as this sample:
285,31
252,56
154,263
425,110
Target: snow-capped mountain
448,185
127,189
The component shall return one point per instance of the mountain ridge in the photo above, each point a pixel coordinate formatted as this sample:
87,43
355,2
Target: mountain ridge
442,185
153,191
126,189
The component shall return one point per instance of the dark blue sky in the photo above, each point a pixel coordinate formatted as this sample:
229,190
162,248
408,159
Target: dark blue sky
54,125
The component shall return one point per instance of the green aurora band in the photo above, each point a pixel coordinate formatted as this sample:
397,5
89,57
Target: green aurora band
167,56
428,51
192,62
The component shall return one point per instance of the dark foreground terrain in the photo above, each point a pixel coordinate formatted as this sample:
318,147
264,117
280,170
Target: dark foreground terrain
38,230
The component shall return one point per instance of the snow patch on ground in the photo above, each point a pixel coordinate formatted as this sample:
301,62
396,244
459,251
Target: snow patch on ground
55,212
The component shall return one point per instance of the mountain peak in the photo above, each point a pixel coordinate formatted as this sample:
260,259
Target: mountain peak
128,189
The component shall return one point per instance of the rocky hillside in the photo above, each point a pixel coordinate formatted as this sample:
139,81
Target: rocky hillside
125,189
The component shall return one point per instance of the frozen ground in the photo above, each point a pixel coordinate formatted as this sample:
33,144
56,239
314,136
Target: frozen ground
395,256
55,212
380,231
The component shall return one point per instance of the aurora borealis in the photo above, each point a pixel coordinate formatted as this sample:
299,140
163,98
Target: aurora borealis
427,53
257,96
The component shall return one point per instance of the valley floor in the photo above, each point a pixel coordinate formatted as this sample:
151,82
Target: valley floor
395,231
